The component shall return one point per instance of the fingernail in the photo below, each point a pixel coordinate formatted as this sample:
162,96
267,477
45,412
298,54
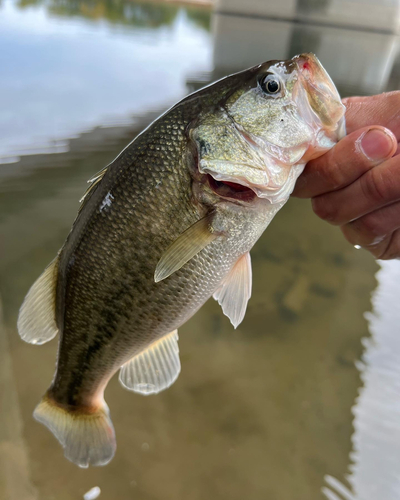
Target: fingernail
378,144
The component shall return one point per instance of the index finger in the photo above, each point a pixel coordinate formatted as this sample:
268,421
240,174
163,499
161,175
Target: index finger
382,109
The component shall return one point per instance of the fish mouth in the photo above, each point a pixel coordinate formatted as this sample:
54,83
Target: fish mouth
269,177
265,177
230,190
321,95
267,165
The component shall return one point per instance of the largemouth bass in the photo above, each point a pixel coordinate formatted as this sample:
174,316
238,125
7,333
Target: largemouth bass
168,224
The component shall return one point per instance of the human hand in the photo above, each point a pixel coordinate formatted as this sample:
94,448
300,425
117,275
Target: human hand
356,185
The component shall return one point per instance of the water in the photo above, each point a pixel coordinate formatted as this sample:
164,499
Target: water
262,412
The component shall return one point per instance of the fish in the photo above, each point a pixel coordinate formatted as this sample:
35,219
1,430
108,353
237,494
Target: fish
164,227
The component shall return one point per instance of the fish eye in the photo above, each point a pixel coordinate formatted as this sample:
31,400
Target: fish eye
270,85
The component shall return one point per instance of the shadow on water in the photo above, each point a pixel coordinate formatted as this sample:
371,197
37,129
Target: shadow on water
261,412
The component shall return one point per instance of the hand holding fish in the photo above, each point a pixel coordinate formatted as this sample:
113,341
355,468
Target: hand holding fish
356,184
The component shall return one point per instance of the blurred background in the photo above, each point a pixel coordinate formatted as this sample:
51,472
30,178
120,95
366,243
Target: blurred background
298,403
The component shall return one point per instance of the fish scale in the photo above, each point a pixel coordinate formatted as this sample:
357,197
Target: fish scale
127,267
168,224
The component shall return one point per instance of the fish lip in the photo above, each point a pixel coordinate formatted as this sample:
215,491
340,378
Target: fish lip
268,190
314,79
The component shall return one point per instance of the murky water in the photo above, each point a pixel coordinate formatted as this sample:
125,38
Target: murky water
262,412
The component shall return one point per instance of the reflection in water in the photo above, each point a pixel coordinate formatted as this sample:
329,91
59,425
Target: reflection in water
262,412
149,14
374,473
62,75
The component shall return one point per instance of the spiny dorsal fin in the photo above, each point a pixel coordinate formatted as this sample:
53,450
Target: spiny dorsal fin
155,368
235,291
94,181
37,315
188,244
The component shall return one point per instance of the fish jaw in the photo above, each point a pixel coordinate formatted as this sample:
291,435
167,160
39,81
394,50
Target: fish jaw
319,103
301,125
271,176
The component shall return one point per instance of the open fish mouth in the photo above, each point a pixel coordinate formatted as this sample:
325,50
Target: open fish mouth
271,175
231,190
246,157
264,175
242,190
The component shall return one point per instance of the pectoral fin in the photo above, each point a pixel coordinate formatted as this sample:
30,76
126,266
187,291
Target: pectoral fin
235,291
189,243
154,369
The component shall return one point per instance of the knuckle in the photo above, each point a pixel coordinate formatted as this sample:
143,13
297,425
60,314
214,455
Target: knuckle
335,173
374,186
323,209
364,231
349,234
370,226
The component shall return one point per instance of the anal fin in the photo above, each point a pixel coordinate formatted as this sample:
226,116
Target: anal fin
37,315
235,290
155,368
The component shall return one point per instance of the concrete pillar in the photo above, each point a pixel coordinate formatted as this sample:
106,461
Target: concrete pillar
377,15
360,61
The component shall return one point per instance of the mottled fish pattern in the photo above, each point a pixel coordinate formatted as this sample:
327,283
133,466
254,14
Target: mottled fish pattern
169,223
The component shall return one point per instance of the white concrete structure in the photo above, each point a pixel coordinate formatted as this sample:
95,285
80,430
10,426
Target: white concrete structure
359,61
381,15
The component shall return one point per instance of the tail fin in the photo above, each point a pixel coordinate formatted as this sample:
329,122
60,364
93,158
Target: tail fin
87,438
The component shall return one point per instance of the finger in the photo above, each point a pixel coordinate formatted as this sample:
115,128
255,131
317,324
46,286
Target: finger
378,187
374,227
387,249
382,109
354,155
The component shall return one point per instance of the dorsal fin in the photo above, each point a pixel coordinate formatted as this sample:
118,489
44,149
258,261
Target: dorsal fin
235,290
94,181
37,315
155,368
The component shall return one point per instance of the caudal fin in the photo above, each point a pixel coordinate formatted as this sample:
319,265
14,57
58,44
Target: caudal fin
87,438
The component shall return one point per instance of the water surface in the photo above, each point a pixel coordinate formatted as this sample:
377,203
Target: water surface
261,412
